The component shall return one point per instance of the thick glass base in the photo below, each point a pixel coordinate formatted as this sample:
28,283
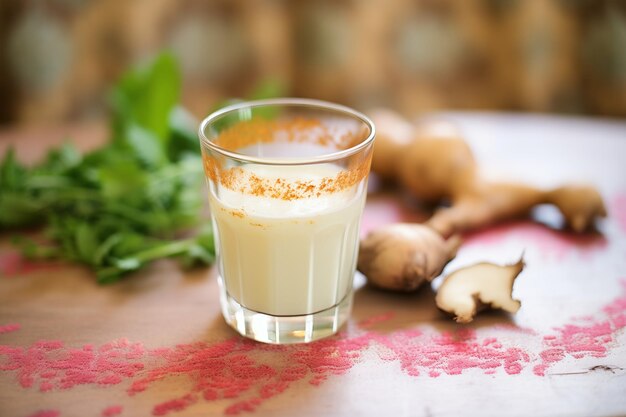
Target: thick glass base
284,329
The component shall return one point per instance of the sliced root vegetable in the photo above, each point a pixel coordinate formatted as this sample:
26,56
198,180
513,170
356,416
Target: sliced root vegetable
485,285
402,256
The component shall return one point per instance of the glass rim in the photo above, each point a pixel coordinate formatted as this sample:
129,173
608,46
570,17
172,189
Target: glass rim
295,102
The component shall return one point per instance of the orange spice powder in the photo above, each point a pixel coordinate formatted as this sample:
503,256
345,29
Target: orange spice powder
255,131
250,132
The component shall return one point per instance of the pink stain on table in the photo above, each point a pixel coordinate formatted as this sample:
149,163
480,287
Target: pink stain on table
579,341
550,243
46,413
618,211
13,264
218,370
246,374
374,320
8,328
384,209
50,365
113,410
177,404
451,353
232,370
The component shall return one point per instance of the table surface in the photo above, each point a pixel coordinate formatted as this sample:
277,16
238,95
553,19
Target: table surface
156,344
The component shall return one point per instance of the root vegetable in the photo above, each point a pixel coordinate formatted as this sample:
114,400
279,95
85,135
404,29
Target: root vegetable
579,205
388,144
490,203
469,290
433,162
403,256
436,165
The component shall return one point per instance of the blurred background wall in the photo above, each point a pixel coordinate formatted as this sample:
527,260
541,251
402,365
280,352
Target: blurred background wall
58,58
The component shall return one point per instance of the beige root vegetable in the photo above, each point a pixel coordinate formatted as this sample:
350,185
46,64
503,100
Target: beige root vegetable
490,203
402,256
468,290
396,135
436,165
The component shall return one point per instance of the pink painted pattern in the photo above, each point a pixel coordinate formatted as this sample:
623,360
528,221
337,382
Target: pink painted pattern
245,374
551,243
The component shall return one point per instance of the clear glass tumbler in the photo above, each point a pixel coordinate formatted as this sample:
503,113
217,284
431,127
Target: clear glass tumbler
287,183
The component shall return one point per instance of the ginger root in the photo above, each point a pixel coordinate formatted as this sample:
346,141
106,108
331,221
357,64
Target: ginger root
398,133
402,256
469,290
436,165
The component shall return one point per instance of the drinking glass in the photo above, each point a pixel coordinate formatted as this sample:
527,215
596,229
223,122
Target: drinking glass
287,182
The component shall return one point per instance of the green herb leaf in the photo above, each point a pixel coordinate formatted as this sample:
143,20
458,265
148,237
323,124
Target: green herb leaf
147,96
86,242
120,207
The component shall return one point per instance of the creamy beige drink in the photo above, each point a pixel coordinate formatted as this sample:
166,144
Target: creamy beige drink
287,184
288,257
